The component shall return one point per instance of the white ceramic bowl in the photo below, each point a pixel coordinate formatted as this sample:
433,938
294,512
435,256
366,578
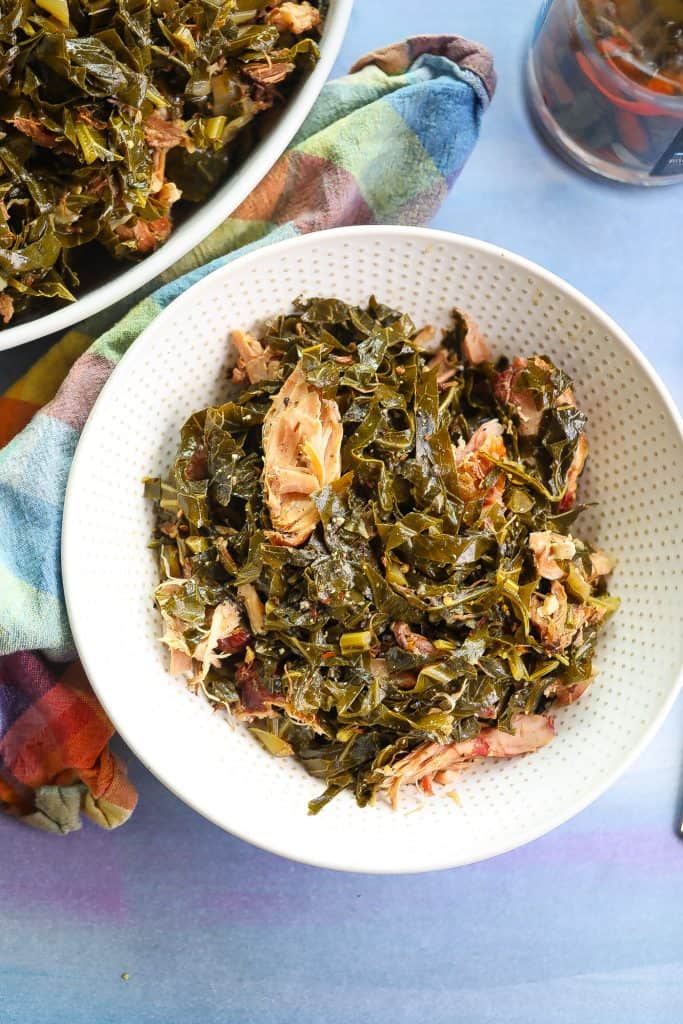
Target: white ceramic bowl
208,215
635,471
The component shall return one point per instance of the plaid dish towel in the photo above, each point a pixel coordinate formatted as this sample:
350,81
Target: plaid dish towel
382,145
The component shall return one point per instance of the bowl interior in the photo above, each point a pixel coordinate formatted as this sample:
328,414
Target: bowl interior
634,472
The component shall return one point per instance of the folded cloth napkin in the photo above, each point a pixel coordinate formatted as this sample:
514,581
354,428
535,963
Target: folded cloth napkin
381,145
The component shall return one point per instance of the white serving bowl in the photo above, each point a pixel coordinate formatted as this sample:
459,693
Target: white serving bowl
634,471
207,216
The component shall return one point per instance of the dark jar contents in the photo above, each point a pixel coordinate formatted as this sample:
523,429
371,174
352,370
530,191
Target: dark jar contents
606,85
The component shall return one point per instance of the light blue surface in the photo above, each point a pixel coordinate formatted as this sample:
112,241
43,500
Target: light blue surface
584,925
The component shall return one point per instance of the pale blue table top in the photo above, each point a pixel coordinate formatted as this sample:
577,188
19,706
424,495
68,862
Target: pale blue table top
585,924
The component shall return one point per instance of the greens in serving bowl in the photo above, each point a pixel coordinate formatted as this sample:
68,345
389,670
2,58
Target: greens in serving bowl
118,115
368,555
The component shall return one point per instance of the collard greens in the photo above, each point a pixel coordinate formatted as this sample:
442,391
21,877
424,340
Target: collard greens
112,110
368,555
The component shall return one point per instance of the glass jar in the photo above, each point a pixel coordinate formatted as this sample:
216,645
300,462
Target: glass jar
605,82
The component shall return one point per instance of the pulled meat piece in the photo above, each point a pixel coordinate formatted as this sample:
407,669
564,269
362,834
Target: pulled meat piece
35,131
235,642
254,696
573,474
161,133
268,73
425,338
601,565
509,390
295,18
147,234
557,622
548,613
6,308
302,435
225,622
413,642
473,467
436,761
530,732
179,663
547,548
475,348
445,364
255,362
168,194
256,699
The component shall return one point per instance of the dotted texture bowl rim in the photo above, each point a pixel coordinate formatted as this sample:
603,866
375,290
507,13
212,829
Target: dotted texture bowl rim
209,215
288,839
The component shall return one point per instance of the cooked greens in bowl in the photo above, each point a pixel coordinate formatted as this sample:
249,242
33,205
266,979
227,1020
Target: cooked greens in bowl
115,115
369,554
